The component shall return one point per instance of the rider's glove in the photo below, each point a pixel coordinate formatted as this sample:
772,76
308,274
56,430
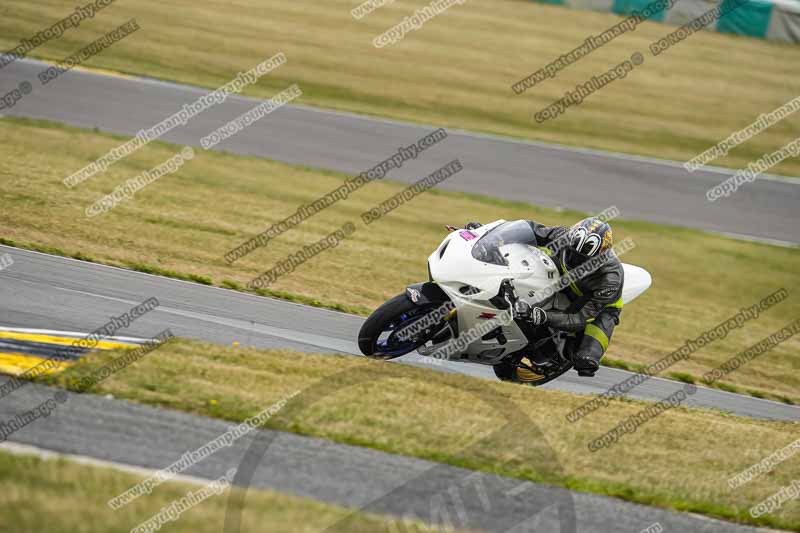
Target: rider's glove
534,315
538,316
473,225
522,310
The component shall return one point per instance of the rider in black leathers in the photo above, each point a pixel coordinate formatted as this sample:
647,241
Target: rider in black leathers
596,298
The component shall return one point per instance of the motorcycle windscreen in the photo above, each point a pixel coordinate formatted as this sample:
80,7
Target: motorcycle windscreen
637,280
488,248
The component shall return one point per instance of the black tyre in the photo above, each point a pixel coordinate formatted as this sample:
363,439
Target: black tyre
376,338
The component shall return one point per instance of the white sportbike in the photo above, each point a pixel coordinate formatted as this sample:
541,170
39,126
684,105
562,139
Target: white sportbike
463,313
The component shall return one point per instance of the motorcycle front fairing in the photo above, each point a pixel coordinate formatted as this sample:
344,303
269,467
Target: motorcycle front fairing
471,277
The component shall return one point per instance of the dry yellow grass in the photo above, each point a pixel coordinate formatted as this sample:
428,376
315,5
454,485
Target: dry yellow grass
681,459
457,70
43,495
185,222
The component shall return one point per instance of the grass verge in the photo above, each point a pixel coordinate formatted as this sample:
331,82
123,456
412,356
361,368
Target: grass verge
669,462
43,494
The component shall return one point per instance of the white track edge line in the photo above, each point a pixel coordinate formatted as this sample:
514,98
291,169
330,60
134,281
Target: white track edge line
43,453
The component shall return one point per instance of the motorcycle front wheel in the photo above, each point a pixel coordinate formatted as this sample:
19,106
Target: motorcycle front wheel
378,339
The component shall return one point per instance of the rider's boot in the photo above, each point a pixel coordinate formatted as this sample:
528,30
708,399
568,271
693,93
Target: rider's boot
542,359
586,365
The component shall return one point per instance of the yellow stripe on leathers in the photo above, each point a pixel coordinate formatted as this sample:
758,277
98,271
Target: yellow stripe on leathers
597,334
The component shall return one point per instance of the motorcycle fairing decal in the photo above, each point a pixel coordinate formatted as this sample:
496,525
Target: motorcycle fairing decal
467,235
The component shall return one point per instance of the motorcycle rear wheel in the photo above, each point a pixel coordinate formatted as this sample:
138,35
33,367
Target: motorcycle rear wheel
509,370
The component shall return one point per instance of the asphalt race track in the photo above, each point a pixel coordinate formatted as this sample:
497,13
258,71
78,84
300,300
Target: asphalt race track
643,189
55,293
122,432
